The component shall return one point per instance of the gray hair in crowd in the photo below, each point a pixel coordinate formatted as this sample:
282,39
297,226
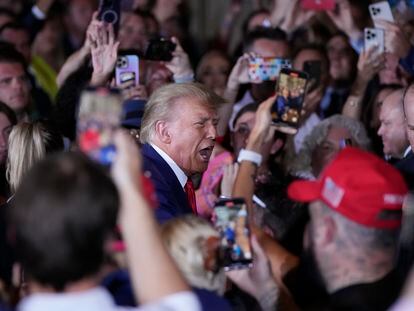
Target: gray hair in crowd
162,101
302,162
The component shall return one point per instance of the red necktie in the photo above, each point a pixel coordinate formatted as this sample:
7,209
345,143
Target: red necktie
189,190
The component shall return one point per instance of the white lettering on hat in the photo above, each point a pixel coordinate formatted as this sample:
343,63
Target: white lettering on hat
390,198
332,193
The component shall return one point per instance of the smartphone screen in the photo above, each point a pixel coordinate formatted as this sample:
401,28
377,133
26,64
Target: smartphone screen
231,221
160,50
266,68
99,116
290,92
127,69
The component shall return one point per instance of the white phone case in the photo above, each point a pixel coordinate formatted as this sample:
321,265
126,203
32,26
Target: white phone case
380,11
374,37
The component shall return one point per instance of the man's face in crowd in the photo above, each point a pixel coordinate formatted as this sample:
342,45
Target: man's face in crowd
20,40
409,114
312,55
329,148
132,33
340,58
376,107
192,133
14,86
392,129
242,128
5,129
80,14
270,48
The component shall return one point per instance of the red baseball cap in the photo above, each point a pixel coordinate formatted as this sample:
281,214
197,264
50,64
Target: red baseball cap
360,186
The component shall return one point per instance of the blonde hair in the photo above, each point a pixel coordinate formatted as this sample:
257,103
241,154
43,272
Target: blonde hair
161,102
184,238
28,143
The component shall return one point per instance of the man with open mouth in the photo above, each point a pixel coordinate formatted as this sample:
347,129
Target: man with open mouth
178,133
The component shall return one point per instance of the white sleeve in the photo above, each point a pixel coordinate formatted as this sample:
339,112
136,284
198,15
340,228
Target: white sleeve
183,301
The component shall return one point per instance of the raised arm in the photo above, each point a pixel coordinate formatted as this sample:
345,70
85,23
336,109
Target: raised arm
153,273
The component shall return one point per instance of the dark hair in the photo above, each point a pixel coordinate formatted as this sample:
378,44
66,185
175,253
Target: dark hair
7,12
9,113
311,46
13,26
8,54
62,214
275,34
245,25
252,107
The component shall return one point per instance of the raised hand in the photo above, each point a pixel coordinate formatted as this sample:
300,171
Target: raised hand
104,51
180,64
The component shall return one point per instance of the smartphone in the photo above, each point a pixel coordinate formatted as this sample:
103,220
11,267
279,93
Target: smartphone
266,68
380,11
318,5
374,38
160,50
110,12
290,90
231,221
99,115
127,69
313,69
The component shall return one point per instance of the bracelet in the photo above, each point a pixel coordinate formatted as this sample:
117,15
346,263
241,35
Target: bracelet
184,79
248,155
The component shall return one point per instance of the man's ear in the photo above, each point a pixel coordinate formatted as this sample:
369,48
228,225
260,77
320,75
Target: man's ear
329,230
162,132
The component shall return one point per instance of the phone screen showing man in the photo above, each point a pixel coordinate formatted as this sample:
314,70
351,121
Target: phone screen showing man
290,91
231,221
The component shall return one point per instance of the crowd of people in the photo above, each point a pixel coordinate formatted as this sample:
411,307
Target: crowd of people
327,218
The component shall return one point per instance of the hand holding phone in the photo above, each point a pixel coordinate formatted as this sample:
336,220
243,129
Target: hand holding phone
287,107
98,117
231,221
127,69
160,50
374,39
266,68
380,11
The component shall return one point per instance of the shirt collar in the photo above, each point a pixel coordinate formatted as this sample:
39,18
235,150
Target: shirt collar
407,151
182,178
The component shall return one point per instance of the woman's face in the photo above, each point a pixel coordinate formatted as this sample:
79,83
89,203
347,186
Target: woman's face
49,38
213,73
5,129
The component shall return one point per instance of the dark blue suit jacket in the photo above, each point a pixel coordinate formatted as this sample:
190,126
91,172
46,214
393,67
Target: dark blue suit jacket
171,196
406,168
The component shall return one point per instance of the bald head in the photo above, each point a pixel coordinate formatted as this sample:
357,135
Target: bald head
392,129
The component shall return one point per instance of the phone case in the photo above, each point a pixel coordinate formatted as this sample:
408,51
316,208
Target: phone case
264,69
380,11
231,221
98,117
110,12
127,69
374,38
318,5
